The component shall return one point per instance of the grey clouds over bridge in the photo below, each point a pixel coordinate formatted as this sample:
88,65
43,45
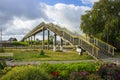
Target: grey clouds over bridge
18,17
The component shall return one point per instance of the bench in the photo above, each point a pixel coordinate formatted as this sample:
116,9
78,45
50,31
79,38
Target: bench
6,54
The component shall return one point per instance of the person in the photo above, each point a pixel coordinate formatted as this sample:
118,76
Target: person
79,50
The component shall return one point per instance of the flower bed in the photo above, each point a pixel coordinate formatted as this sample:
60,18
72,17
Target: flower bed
71,71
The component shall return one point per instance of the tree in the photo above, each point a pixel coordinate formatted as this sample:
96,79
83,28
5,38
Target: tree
103,21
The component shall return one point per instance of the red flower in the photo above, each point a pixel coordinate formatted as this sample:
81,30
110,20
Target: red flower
55,73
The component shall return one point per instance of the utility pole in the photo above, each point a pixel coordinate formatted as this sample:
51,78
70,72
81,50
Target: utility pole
1,38
1,35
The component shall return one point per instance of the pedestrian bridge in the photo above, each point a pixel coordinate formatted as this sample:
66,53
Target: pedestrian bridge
95,47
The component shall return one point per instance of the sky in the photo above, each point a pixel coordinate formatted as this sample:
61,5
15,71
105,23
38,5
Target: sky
18,17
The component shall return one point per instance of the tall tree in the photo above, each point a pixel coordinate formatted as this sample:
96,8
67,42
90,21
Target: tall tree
103,21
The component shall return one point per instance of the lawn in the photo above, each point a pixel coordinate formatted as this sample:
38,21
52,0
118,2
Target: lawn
34,55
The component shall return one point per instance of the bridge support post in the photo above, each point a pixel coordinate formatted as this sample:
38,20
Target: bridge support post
48,39
31,38
34,37
61,44
54,43
43,39
28,39
34,41
31,41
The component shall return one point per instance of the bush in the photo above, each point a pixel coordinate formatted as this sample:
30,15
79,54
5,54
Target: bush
83,66
2,65
26,73
16,43
109,71
2,50
45,71
82,75
65,69
42,52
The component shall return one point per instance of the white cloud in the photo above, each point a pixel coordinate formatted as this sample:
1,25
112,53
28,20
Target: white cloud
89,1
19,27
62,14
66,15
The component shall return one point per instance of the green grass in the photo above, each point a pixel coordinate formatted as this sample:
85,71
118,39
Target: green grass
34,55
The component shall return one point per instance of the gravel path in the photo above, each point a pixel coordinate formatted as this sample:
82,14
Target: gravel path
112,60
13,63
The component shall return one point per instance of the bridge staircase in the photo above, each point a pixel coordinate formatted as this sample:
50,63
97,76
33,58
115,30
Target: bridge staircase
95,47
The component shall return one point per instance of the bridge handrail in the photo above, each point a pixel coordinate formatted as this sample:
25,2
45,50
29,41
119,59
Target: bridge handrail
89,43
101,44
105,43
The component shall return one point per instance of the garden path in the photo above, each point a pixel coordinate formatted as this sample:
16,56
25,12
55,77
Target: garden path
13,63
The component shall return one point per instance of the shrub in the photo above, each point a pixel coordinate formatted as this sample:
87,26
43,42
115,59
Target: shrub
82,75
48,68
26,73
2,65
65,74
109,71
42,52
55,75
83,66
16,43
65,69
5,70
2,50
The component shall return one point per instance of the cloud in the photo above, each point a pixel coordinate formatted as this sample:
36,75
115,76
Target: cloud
19,8
66,15
20,27
18,17
89,1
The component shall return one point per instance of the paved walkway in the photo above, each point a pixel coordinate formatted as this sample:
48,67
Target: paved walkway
112,60
12,63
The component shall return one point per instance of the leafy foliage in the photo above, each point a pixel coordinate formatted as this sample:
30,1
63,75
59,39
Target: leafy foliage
103,21
42,52
26,73
16,43
64,71
83,66
109,71
2,65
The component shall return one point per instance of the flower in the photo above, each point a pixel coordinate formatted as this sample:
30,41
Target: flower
84,73
55,73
